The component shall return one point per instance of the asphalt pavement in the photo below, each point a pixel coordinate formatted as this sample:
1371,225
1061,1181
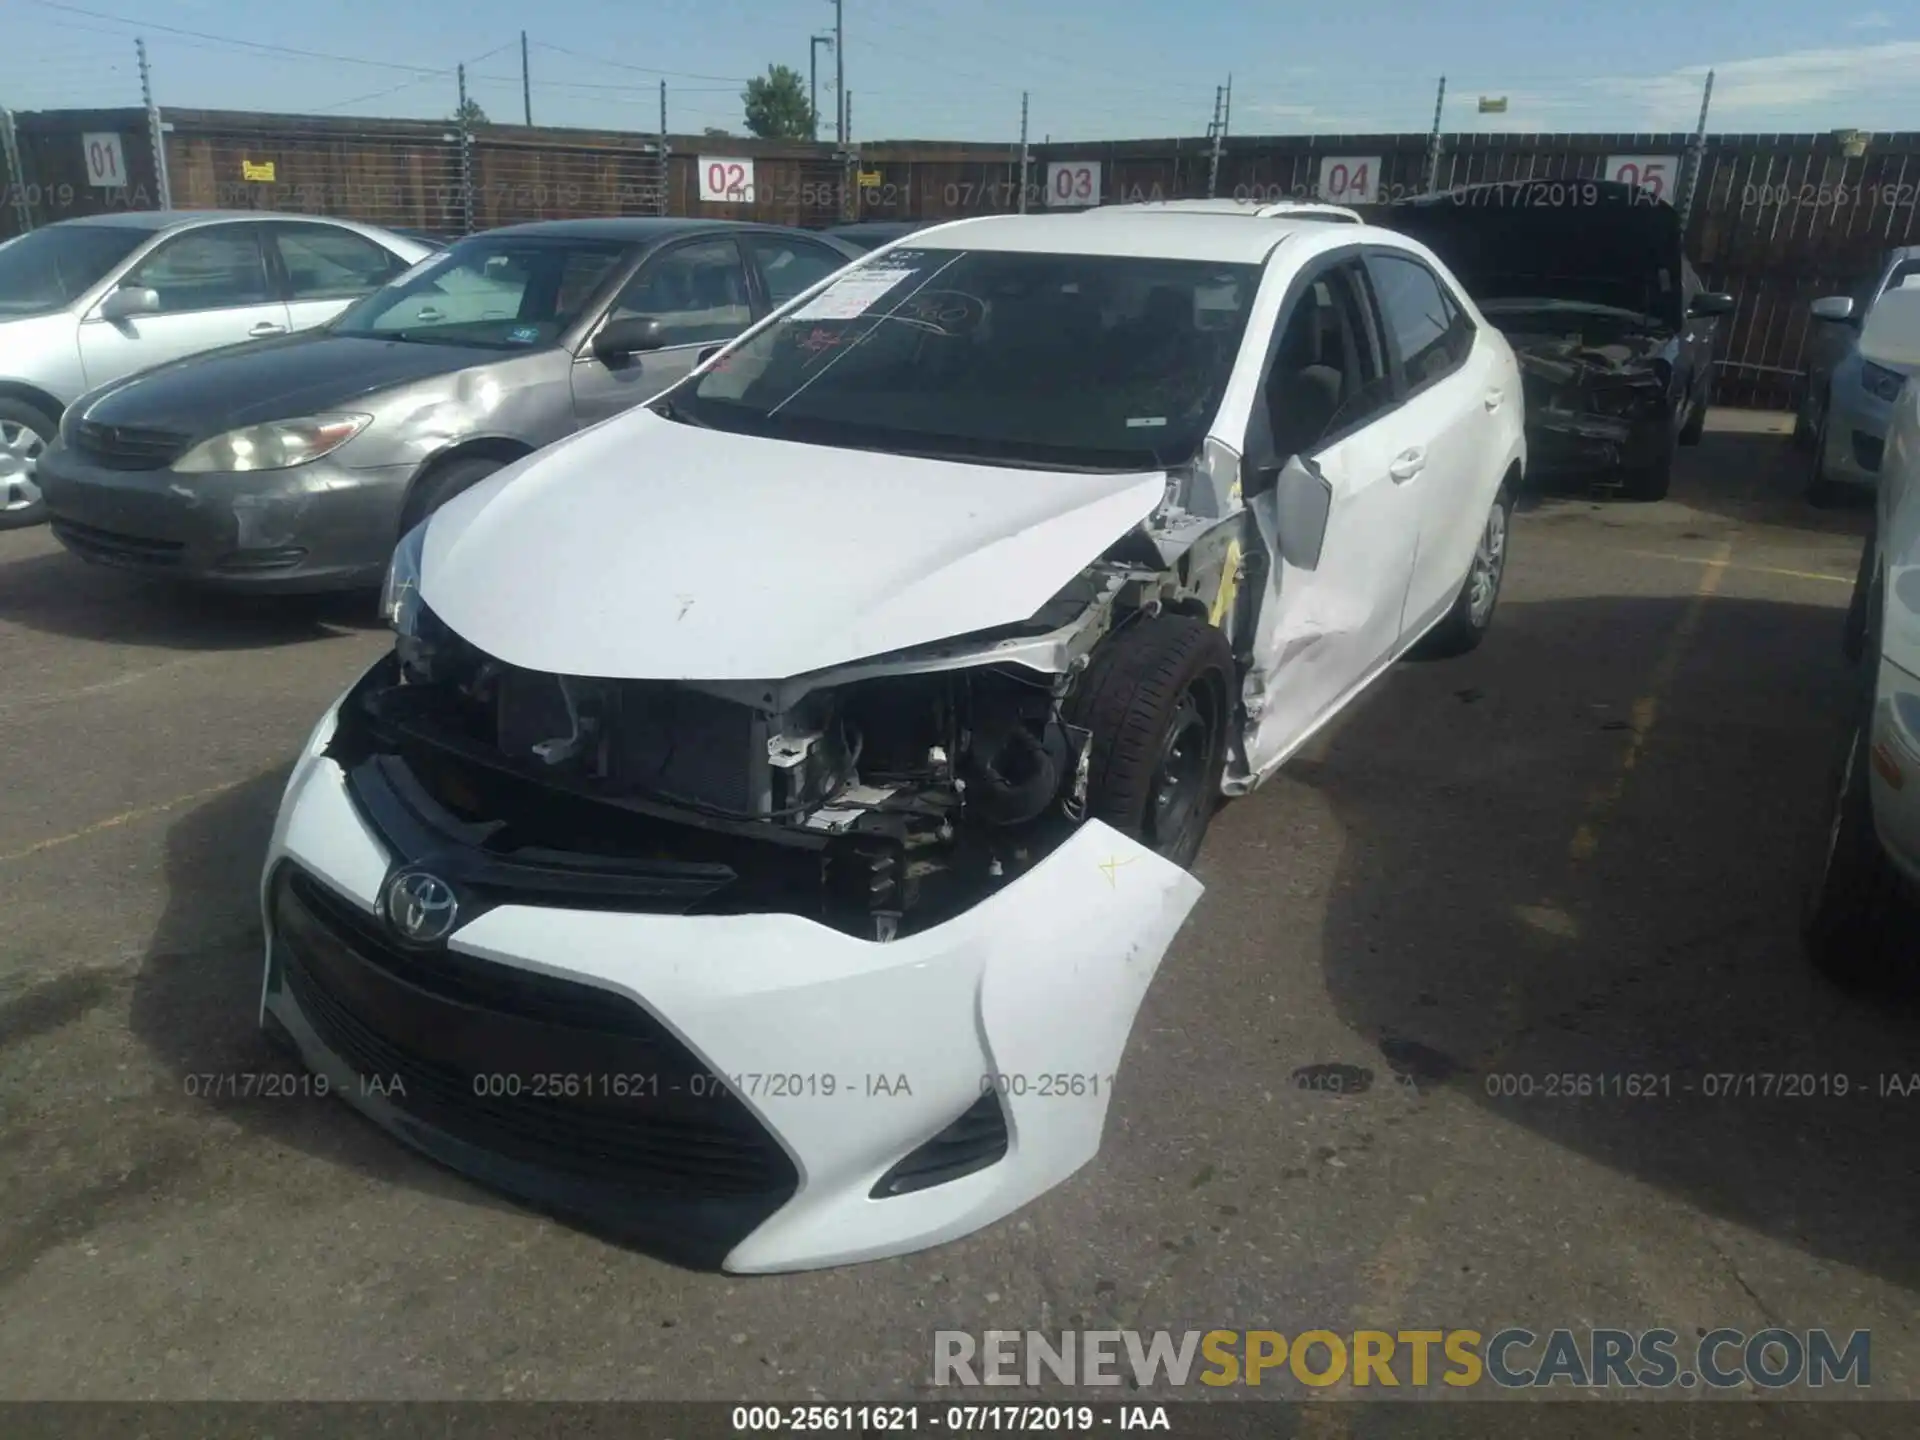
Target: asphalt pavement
1578,851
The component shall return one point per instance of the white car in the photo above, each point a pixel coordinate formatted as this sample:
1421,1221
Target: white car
778,799
1258,209
1863,920
85,302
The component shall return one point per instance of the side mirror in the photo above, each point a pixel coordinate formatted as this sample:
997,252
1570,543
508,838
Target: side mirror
620,339
1892,334
1290,504
1835,308
1713,303
129,301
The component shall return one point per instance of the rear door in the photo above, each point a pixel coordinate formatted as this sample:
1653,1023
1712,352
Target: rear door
1446,427
698,291
325,268
784,266
214,290
1327,396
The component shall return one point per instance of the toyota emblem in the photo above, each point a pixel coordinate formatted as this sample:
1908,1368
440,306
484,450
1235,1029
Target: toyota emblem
421,906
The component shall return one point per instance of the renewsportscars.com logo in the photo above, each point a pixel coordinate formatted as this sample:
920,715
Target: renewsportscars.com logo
1513,1358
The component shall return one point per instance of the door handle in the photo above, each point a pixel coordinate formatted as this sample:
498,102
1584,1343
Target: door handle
1494,397
1407,466
267,327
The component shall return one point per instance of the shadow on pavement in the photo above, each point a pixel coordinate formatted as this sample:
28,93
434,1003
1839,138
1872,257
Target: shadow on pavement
195,1002
1563,874
58,594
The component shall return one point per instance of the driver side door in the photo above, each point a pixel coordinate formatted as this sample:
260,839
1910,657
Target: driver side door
1328,397
697,290
214,289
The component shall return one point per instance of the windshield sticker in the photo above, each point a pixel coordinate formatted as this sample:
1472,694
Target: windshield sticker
524,334
854,294
1146,422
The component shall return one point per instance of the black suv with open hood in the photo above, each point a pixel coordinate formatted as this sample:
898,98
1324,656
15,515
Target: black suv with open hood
1588,281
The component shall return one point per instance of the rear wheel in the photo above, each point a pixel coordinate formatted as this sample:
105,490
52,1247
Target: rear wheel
1467,623
25,433
1156,698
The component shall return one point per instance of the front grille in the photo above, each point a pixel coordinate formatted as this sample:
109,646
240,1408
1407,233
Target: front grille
129,447
98,544
528,1067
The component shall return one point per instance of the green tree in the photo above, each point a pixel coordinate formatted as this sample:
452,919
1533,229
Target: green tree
471,114
777,105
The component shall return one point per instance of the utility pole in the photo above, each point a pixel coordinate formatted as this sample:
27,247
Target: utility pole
849,115
839,74
526,79
665,171
813,75
1023,152
1222,109
16,171
1433,139
1699,155
156,132
466,161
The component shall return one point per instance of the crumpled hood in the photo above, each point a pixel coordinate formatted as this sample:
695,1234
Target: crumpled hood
1563,344
647,549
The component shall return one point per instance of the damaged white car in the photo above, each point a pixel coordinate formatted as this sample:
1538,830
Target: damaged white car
779,798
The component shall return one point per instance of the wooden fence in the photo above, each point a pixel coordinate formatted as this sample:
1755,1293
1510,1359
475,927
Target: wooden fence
1776,219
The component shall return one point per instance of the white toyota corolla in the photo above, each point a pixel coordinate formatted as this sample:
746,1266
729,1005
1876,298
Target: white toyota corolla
779,798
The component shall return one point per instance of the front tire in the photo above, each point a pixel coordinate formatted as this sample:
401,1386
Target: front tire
1467,623
1157,698
441,484
1647,483
1859,918
25,433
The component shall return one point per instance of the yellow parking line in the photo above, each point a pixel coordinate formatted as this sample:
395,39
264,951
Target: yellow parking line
1754,569
1646,709
125,817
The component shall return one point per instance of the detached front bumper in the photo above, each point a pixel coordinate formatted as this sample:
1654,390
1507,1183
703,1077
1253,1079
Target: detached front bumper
1568,443
741,1091
319,526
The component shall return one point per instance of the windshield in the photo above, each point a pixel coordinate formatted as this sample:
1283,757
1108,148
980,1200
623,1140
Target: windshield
499,292
1067,361
46,269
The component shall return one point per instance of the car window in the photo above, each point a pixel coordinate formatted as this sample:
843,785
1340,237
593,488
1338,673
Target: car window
1414,311
788,265
697,292
47,269
1329,372
206,269
324,263
499,292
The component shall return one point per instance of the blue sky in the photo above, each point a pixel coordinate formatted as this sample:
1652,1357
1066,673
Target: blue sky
955,69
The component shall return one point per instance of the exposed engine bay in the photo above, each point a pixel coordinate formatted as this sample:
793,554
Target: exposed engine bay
881,797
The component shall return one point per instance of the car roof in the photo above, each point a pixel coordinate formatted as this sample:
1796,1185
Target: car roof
1178,236
154,221
628,228
1259,210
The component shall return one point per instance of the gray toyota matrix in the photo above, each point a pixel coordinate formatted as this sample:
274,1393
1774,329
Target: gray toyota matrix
295,464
